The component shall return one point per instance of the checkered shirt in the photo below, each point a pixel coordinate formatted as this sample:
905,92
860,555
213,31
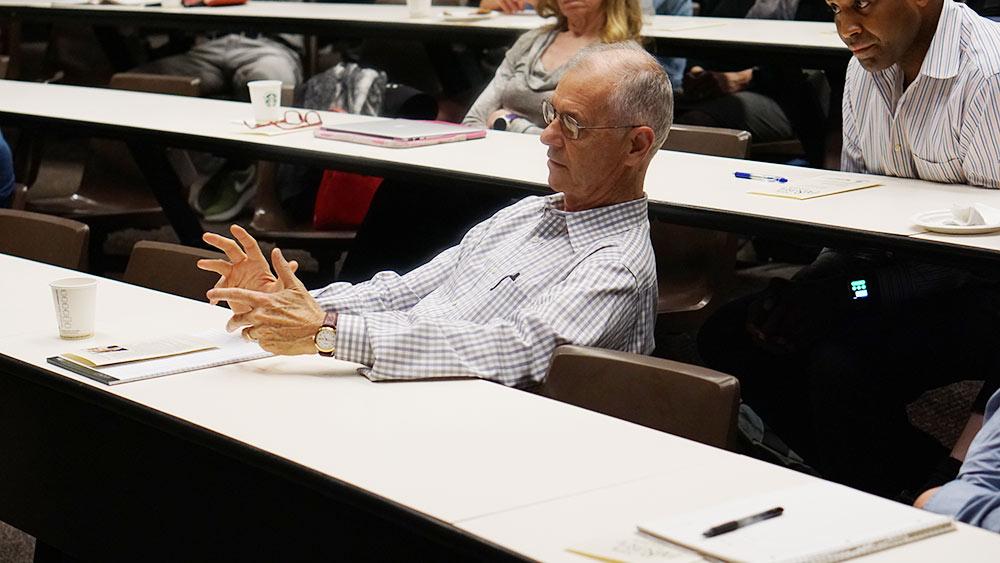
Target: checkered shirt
530,278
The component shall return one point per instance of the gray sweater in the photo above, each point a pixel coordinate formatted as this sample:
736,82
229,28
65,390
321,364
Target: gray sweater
520,84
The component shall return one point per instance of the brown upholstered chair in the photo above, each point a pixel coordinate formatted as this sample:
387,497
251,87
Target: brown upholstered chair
113,194
715,141
157,83
20,198
112,188
694,266
44,238
688,401
170,268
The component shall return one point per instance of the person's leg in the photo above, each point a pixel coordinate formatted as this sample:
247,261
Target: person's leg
261,59
409,223
861,382
772,385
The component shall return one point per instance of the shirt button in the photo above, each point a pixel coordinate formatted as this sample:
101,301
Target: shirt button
899,147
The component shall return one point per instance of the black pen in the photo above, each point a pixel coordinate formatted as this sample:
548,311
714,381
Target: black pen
511,277
743,522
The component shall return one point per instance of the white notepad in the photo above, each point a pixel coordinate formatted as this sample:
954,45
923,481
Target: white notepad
816,186
178,355
822,522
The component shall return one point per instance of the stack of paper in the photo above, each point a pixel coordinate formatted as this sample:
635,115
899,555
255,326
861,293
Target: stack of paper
114,363
821,522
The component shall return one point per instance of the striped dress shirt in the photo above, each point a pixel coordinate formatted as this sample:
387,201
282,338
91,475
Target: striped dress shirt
945,126
519,284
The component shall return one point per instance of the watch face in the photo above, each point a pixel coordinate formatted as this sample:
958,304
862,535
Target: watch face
326,339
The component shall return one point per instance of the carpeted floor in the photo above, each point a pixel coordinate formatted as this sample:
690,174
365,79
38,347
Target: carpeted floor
15,545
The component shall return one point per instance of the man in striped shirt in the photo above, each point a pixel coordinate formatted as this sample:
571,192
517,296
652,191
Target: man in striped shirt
575,267
922,100
922,97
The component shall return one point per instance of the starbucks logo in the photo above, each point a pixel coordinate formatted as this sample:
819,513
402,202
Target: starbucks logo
271,100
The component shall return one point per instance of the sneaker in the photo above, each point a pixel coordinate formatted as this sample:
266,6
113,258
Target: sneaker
227,196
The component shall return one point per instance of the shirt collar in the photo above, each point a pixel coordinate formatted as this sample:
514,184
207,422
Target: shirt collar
590,225
943,55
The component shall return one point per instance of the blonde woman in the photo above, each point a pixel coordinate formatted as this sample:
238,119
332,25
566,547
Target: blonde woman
533,66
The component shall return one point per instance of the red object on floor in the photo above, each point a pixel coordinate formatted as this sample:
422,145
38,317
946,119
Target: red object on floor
343,199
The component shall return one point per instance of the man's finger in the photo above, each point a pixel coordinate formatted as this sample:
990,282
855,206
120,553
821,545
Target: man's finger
284,271
234,294
294,265
249,243
218,284
238,320
226,245
221,267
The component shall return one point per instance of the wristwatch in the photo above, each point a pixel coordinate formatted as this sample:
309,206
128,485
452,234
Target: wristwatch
502,123
326,336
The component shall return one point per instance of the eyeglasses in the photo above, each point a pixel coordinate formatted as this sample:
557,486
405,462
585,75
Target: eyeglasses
570,126
291,120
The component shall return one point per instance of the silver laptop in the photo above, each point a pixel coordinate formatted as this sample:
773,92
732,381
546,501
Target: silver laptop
404,129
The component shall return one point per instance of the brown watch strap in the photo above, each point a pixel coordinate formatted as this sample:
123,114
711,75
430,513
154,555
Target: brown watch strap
330,319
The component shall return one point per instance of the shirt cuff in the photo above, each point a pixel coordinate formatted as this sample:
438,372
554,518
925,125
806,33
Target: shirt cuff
952,498
352,340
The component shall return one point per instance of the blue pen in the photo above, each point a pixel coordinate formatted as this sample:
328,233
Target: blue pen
761,177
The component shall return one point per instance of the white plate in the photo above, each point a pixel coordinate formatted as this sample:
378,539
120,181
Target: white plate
469,15
935,221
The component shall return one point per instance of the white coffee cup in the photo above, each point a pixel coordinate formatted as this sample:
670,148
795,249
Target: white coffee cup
76,303
419,8
265,97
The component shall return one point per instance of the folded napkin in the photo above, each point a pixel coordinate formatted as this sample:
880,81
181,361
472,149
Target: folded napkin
973,215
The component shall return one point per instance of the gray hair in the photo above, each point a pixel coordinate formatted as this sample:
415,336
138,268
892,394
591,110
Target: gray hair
641,94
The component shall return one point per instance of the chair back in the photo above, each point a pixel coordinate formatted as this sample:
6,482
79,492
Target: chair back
170,268
156,83
694,266
44,238
681,399
714,141
112,186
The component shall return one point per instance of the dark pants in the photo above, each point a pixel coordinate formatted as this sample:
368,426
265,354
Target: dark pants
841,402
408,224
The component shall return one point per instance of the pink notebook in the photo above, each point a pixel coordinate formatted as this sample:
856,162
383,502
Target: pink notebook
400,133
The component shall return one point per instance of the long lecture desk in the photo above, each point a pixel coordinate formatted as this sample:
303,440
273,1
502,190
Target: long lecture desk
807,42
684,188
299,458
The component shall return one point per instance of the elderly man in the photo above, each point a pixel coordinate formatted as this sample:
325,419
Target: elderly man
574,267
833,374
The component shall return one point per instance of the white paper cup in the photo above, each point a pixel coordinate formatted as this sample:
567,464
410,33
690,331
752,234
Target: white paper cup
265,97
76,302
419,8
